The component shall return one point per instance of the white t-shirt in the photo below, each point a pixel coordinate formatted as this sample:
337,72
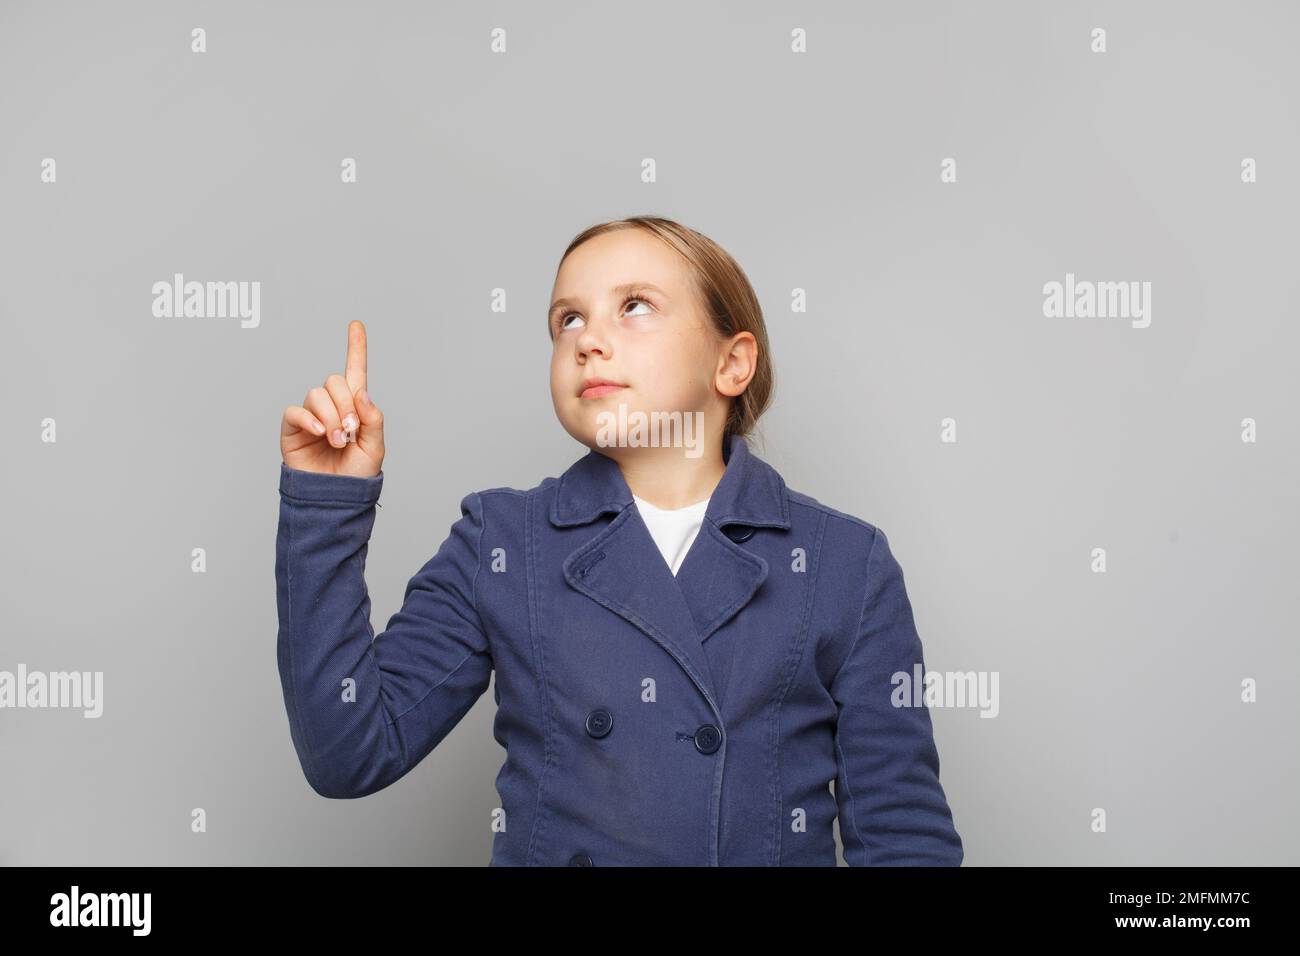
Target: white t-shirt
673,529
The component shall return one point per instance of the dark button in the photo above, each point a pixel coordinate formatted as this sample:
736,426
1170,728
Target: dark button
599,723
708,739
580,859
739,532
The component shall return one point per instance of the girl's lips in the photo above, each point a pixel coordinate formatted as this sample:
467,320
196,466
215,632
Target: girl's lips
596,391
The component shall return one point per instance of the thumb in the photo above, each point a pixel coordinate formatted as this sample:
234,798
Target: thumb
370,436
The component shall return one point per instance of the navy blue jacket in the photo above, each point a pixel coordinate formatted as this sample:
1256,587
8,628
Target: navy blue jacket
696,720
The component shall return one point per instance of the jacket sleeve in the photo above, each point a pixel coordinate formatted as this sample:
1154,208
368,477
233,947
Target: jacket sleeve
892,808
364,709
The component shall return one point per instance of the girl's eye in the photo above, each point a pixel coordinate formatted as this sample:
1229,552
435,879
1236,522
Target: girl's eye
630,297
634,298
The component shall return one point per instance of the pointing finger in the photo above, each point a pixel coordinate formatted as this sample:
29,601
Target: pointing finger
356,366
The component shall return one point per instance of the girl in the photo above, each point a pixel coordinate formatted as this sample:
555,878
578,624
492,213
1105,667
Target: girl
687,652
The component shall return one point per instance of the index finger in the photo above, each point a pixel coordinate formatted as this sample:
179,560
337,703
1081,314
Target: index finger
355,372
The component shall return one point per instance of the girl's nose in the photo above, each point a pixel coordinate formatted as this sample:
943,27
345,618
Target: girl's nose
592,340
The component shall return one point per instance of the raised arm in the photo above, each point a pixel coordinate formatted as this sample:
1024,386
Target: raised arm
363,710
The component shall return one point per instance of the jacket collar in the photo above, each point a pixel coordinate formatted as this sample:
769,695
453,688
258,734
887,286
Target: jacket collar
751,491
620,568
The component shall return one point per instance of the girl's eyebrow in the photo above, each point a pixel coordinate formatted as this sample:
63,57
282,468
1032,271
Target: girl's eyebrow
617,290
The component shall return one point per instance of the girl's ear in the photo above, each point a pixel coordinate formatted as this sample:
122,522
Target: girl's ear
737,364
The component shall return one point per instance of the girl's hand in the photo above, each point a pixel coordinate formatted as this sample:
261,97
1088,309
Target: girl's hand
337,430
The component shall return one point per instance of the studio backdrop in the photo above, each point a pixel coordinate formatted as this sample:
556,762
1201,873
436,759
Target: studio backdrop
1029,276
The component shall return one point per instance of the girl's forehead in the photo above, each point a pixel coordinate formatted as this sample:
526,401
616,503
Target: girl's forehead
613,278
628,250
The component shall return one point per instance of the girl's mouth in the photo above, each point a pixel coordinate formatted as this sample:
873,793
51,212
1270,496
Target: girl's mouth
594,386
596,391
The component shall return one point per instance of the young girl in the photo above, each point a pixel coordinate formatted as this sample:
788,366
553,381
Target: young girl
687,652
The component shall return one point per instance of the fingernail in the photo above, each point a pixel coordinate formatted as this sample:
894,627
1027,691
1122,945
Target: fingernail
350,423
318,428
336,437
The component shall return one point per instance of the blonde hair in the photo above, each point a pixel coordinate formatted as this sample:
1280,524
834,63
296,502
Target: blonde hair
727,299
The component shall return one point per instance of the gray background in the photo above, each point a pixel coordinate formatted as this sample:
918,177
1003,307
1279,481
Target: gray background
817,171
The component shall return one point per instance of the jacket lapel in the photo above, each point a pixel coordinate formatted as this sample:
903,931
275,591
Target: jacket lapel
621,568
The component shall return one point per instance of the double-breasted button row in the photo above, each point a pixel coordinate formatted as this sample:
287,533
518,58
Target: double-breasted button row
738,532
707,739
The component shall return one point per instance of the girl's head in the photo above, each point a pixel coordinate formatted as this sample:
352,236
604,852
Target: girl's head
666,313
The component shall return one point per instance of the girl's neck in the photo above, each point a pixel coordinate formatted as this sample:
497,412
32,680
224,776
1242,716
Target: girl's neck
668,479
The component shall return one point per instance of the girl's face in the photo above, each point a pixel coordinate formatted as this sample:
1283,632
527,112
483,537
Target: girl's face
624,311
